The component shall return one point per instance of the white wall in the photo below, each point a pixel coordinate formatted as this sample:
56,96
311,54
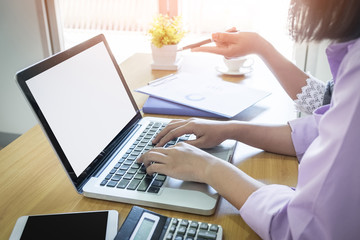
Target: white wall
23,41
312,58
317,63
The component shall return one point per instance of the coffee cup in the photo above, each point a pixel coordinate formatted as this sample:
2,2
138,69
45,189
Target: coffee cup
234,64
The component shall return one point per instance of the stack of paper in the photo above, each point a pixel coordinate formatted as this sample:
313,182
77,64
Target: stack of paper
210,95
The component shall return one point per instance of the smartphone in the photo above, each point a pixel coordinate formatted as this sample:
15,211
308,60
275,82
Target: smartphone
75,225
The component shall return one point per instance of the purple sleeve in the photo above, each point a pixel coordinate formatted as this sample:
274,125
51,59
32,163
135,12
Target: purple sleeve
304,131
325,204
261,207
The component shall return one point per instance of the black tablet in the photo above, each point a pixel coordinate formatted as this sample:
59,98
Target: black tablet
77,225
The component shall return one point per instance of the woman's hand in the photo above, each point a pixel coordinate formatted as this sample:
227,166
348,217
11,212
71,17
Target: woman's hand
182,161
208,133
234,44
189,163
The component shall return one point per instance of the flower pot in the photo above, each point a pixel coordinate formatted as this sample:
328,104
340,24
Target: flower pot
165,58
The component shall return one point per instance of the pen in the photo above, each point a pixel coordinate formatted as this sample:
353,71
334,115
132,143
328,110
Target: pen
162,79
194,45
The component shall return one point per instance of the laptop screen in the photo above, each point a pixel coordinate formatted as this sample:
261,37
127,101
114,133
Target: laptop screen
84,102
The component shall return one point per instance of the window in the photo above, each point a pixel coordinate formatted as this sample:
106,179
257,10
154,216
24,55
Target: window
125,22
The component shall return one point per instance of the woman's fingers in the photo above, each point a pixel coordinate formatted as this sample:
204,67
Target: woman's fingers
172,131
154,155
156,168
156,160
232,30
170,126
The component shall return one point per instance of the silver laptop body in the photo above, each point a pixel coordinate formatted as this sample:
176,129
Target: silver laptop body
88,113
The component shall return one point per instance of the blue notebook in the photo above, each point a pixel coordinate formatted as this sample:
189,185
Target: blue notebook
158,106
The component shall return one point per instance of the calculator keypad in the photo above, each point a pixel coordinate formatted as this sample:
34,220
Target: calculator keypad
181,229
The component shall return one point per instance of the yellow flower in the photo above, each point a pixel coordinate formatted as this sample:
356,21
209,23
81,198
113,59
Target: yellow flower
166,31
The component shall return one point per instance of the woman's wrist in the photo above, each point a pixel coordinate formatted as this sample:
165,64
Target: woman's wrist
225,177
233,129
214,170
262,47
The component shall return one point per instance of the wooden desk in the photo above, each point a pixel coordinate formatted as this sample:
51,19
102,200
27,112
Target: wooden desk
32,180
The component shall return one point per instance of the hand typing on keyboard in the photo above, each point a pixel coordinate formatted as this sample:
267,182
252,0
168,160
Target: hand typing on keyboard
208,133
186,161
182,161
132,175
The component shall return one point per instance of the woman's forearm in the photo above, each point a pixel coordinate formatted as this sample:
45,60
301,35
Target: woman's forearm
226,178
276,139
288,74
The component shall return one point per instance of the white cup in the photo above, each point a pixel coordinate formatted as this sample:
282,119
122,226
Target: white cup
234,64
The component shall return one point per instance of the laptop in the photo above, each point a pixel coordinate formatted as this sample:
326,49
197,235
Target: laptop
89,115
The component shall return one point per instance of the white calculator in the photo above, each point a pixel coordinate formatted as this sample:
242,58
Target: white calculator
142,224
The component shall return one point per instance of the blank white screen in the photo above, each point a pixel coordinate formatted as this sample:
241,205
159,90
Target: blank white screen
85,104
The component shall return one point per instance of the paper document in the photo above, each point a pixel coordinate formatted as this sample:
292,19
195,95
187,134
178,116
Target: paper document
208,93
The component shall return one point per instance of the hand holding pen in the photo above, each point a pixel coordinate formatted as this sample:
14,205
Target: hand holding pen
204,42
195,45
230,44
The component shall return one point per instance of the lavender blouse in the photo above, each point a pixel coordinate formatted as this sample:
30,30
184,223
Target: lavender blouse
326,201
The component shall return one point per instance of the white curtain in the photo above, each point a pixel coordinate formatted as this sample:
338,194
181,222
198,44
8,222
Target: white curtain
267,17
200,17
118,15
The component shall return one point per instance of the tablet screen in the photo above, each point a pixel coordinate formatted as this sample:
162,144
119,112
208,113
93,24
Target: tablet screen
88,225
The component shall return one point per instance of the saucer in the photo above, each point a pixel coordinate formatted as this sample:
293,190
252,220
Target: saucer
242,71
173,66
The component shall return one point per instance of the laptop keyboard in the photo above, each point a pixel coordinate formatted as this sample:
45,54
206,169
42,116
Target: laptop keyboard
127,174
